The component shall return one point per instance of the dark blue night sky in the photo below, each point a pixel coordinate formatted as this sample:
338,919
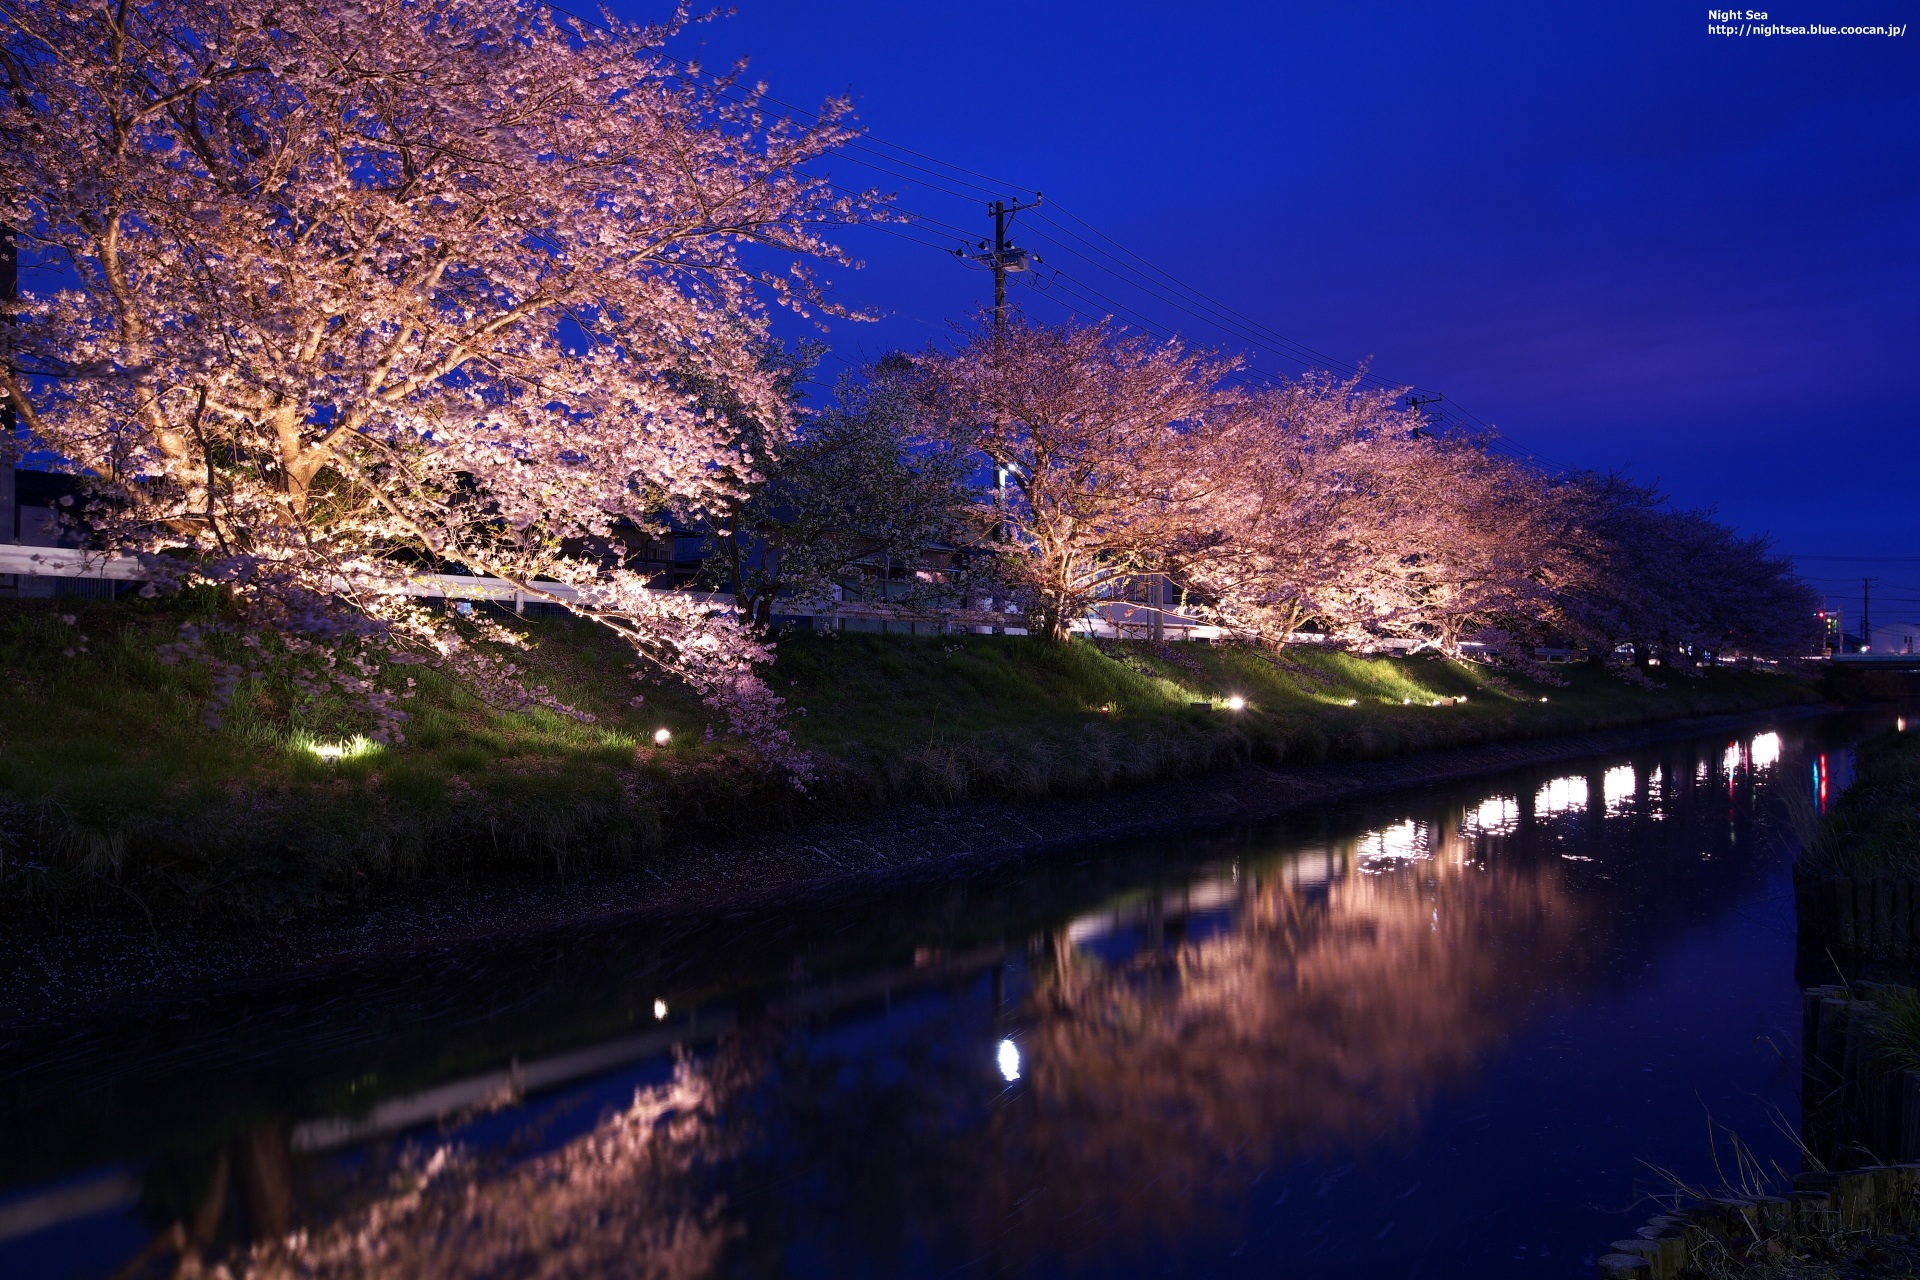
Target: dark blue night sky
1625,242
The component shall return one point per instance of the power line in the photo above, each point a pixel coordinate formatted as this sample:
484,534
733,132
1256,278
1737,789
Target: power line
1859,559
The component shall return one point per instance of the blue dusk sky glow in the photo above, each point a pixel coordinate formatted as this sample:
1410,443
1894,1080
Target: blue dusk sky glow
1625,242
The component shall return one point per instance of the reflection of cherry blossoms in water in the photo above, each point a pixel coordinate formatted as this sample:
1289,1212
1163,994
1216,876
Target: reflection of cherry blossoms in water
1165,1052
622,1200
1316,1024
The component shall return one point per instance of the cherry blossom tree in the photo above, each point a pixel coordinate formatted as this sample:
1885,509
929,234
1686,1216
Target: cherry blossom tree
1672,583
1335,507
332,294
1104,438
1311,491
1482,552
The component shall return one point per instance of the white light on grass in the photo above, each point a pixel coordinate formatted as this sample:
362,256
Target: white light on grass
335,752
1236,703
659,1010
1008,1057
661,737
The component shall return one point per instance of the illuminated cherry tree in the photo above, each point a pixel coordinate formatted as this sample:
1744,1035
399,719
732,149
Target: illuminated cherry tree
1312,484
1103,438
330,294
1333,507
1483,545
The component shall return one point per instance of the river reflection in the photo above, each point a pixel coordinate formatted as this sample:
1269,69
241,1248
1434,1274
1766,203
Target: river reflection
1306,1045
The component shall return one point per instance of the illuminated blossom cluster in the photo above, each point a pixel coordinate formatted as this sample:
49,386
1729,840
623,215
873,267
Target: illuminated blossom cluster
1323,506
1104,439
331,295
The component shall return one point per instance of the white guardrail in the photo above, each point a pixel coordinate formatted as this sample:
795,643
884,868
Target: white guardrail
73,562
1111,620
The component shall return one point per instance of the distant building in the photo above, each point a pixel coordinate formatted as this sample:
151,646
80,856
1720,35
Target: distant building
1896,637
1833,632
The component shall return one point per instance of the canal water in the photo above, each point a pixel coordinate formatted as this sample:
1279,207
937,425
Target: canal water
1458,1031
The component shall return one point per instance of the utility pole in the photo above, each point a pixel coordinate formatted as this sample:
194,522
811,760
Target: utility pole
1866,615
1002,258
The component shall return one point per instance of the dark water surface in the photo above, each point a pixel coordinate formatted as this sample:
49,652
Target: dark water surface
1440,1033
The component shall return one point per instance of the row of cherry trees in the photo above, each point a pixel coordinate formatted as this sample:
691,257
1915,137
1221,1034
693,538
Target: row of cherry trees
1318,505
323,296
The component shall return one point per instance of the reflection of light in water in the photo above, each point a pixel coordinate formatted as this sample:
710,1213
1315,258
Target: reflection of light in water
659,1009
1404,842
1085,927
1315,868
1764,750
1210,895
1617,787
1562,795
1700,773
1731,760
1656,792
1494,816
1009,1058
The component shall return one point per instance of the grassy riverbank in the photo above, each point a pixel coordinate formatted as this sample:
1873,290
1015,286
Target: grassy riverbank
116,790
1874,827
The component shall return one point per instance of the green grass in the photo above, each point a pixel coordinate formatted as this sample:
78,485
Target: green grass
1874,828
1896,1024
113,786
